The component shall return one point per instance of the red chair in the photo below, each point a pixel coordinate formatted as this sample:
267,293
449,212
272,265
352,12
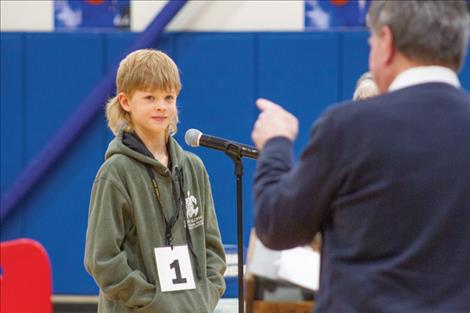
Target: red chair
25,281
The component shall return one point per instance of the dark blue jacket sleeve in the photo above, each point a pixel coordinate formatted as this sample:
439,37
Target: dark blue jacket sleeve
291,201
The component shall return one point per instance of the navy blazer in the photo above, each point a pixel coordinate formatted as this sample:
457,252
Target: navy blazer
387,183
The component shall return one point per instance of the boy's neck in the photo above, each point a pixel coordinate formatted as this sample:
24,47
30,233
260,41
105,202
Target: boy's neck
156,145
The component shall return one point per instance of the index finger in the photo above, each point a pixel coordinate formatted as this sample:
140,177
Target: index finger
265,104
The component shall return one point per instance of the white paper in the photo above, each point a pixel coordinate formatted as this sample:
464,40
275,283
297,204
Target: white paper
300,266
264,261
174,268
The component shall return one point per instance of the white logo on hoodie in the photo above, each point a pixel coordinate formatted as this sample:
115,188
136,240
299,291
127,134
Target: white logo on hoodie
191,206
192,211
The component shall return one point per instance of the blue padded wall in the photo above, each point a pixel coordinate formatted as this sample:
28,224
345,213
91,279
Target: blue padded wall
11,120
44,77
218,88
464,73
60,70
300,72
354,61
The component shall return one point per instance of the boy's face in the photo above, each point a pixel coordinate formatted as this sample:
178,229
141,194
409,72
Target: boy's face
151,111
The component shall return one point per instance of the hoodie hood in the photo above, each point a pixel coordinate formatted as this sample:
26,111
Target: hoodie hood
130,145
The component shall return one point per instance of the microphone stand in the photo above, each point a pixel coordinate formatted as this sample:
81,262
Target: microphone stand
235,155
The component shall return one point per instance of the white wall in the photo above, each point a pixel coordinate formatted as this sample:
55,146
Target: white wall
26,15
196,15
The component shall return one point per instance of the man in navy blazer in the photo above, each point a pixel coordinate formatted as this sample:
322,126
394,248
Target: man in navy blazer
385,180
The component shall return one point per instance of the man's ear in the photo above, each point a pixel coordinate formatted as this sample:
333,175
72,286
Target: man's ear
388,47
124,101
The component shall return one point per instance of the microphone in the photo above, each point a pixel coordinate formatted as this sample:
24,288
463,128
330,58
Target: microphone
195,138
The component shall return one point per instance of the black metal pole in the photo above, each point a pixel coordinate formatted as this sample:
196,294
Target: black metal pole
236,157
241,298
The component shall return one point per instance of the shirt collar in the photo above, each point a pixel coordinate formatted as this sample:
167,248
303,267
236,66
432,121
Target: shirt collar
425,74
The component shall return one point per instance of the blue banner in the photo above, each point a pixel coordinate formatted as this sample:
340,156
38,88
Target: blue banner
327,14
86,14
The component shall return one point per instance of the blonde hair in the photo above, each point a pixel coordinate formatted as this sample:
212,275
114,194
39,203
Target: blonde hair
365,87
147,70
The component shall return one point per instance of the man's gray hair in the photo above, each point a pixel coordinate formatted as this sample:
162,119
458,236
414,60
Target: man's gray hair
428,32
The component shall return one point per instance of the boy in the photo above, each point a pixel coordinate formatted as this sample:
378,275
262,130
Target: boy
153,243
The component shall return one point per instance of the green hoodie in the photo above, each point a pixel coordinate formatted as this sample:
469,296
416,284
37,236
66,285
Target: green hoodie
125,224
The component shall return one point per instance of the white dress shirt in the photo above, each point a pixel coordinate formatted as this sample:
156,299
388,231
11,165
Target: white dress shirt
425,74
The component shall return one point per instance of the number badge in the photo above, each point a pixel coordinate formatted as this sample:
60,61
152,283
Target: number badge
174,268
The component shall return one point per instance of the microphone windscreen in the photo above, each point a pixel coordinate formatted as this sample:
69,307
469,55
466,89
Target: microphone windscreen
192,137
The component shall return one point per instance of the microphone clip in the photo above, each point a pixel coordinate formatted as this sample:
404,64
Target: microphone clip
235,153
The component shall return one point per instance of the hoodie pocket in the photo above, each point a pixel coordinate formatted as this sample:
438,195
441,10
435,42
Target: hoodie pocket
213,295
158,304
